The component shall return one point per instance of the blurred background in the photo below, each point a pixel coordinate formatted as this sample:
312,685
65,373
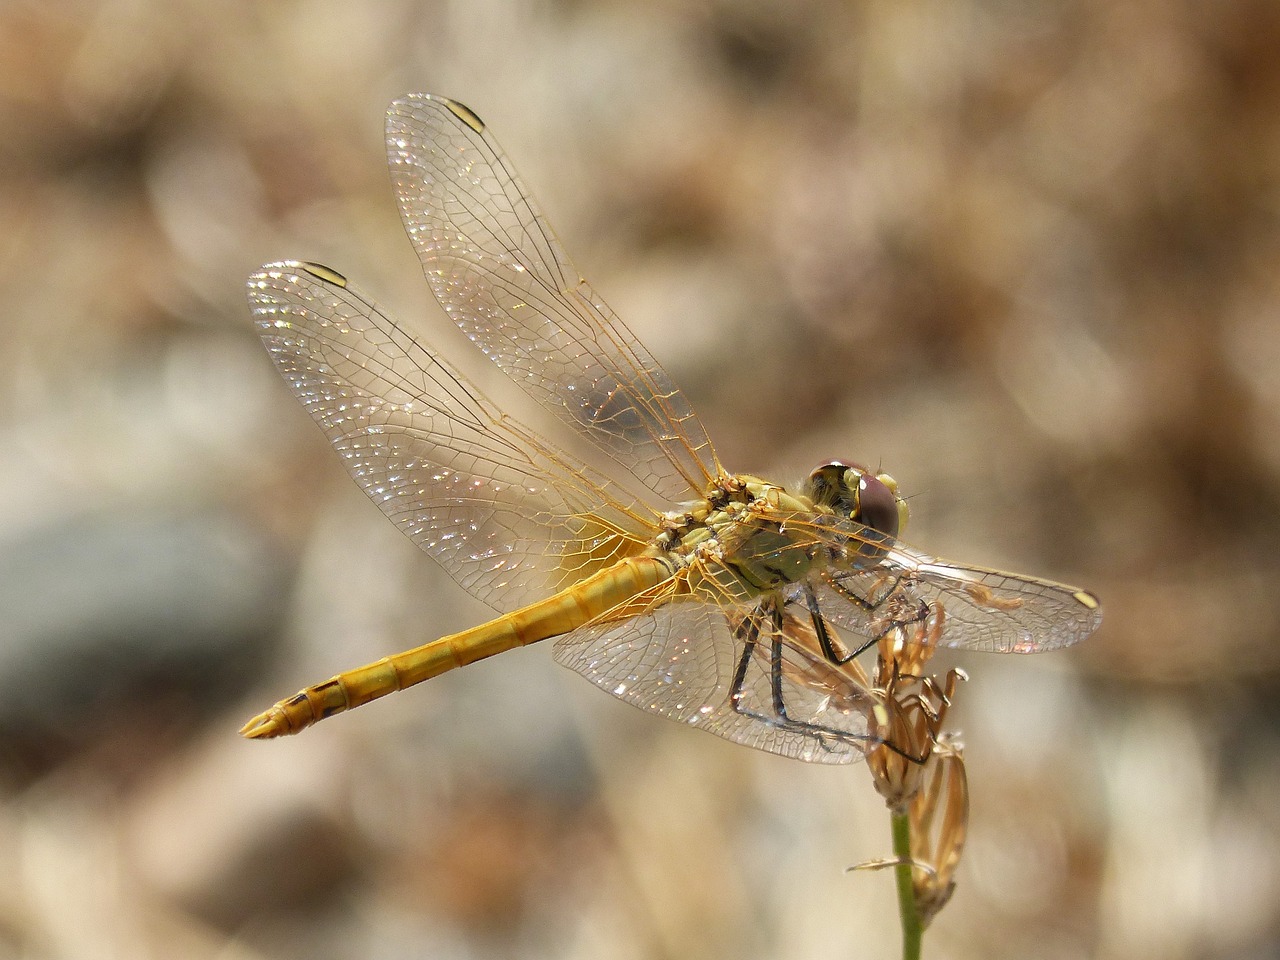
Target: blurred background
1024,256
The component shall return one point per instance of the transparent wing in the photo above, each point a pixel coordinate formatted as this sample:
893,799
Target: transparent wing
496,267
887,584
509,516
685,660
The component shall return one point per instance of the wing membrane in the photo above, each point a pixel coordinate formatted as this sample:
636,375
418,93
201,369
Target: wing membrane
986,610
685,659
497,268
508,515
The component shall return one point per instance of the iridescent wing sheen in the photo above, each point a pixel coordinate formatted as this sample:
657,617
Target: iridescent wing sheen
890,585
498,270
514,518
685,661
508,515
759,675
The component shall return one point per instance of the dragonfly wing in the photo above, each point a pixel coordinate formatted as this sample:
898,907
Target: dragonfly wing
986,610
684,660
498,270
510,517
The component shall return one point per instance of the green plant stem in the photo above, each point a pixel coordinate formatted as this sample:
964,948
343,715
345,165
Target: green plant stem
912,929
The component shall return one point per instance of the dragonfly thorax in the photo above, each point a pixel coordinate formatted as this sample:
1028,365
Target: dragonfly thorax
742,536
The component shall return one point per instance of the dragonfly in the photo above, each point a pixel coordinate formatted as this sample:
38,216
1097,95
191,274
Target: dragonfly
720,600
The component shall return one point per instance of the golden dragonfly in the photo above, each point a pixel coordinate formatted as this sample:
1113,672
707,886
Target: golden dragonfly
716,599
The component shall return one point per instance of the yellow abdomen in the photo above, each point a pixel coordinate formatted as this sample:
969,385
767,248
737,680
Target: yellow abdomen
619,590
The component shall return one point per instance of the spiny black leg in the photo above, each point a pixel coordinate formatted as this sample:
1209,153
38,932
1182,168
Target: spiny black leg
820,625
747,631
820,628
821,734
826,736
919,615
909,757
775,666
866,603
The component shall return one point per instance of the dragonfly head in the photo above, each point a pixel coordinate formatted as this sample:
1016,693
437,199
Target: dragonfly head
852,490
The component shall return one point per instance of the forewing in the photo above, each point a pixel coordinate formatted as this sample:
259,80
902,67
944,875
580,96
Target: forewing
506,514
986,610
684,659
498,270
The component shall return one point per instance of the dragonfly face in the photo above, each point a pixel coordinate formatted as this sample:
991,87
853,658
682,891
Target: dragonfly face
711,598
853,491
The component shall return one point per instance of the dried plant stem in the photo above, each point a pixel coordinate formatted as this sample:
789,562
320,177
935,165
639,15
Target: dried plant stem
912,928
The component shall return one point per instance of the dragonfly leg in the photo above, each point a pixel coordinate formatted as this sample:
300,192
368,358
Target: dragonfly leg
824,635
918,614
775,673
820,732
748,633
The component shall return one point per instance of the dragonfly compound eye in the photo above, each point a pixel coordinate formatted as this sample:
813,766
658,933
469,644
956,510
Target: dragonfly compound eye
878,505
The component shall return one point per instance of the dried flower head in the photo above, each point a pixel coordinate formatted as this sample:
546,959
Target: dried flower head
939,816
906,652
916,767
910,710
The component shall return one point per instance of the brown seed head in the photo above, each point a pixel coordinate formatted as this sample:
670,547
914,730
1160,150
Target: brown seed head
939,814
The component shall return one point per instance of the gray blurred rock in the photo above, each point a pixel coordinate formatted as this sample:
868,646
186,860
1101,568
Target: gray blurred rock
138,604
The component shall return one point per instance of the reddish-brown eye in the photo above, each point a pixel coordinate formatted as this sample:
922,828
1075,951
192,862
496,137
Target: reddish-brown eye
877,505
851,490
